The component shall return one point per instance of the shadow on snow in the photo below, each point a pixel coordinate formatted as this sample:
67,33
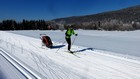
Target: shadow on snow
58,46
82,50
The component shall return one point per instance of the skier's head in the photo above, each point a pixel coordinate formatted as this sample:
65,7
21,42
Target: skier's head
71,26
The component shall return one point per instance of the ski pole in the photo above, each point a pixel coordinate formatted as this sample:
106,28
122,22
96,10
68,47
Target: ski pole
73,41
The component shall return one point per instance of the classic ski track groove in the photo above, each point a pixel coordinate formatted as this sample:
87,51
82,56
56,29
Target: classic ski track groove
19,66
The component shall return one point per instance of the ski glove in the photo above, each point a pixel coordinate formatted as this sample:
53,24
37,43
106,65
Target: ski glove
76,34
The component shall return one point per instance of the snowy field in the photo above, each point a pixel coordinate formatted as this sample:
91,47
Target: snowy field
120,42
100,55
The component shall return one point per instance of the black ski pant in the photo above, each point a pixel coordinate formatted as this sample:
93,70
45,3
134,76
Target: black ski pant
69,43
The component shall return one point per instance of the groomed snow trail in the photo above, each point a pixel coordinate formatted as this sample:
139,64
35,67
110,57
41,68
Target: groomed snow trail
91,63
14,68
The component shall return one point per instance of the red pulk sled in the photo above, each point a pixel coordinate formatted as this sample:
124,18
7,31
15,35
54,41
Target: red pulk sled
46,40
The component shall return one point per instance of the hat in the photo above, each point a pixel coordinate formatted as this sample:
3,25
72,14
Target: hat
71,26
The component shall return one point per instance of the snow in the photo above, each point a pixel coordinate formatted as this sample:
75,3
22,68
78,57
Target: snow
120,42
13,70
100,54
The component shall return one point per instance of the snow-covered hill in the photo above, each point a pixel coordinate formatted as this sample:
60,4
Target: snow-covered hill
57,63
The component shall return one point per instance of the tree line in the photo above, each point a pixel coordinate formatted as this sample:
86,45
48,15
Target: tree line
108,25
27,25
123,19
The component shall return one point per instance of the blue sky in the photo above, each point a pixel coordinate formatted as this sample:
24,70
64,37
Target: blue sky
51,9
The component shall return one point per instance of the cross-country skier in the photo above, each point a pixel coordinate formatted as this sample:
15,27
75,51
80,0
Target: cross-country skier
69,32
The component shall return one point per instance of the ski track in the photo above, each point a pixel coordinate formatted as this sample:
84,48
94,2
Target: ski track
49,67
91,64
105,67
